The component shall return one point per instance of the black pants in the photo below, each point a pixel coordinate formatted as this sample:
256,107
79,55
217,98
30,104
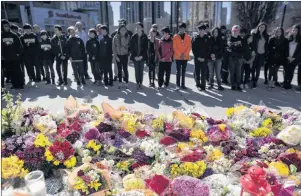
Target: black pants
17,78
108,72
2,74
266,71
33,68
289,73
164,68
299,74
258,63
225,68
62,66
122,65
95,66
7,70
245,73
79,72
235,64
85,62
181,71
48,65
273,72
152,72
139,67
42,71
200,73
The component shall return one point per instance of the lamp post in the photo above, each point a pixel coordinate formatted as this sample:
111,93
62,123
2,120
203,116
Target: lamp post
283,14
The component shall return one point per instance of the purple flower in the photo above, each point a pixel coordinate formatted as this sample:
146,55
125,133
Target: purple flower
92,134
80,173
103,127
181,135
140,156
208,172
124,133
186,185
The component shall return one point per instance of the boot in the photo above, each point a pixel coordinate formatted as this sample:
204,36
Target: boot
48,82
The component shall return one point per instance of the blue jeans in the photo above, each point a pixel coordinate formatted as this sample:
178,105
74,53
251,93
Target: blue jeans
139,66
215,66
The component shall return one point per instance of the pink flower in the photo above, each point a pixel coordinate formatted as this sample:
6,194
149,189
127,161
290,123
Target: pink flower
86,179
92,134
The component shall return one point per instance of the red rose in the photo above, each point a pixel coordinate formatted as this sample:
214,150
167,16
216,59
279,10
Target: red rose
167,140
141,134
158,184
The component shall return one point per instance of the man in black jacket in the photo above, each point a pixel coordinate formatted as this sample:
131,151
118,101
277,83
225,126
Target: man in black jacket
138,47
92,48
106,54
11,49
76,53
46,56
201,50
31,45
58,44
236,51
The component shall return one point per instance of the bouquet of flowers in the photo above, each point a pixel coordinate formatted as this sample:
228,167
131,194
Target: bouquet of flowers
218,133
90,150
12,167
196,169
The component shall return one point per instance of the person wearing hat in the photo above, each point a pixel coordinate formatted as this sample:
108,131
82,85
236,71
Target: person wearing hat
181,47
15,29
11,49
92,48
106,55
76,52
236,51
58,46
31,46
164,53
201,52
46,57
138,47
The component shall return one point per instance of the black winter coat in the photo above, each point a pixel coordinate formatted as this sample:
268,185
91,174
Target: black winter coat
75,48
277,51
201,47
45,50
217,47
143,46
105,48
92,48
236,50
30,44
297,53
59,46
11,47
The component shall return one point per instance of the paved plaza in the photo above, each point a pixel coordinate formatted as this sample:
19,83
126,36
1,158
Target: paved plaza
211,102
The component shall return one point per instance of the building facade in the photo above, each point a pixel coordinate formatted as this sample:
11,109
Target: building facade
129,11
202,12
218,13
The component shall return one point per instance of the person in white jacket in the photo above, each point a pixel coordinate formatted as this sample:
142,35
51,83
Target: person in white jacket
84,36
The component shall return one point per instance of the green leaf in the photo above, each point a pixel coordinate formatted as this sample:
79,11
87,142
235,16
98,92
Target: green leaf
293,169
96,108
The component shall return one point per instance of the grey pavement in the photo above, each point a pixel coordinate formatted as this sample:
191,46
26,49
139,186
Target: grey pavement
211,102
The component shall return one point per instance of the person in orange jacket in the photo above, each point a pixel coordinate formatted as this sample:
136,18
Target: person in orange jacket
181,47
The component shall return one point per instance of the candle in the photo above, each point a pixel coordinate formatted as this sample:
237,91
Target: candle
37,188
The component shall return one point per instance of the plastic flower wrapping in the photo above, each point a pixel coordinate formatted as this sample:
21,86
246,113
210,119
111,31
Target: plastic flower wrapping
111,151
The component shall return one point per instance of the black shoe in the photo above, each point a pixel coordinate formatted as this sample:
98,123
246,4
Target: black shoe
199,88
60,83
44,79
233,88
84,82
65,83
239,89
48,82
277,84
111,84
287,87
210,87
266,82
220,88
298,88
115,78
78,83
183,87
87,77
254,86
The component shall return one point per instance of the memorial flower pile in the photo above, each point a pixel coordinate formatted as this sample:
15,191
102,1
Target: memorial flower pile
121,152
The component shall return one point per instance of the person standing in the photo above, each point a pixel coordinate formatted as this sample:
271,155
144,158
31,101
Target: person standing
58,45
164,53
11,49
201,52
260,45
215,60
277,53
92,48
46,56
236,50
225,62
294,57
138,47
121,45
106,54
181,47
31,45
37,32
80,32
151,57
76,53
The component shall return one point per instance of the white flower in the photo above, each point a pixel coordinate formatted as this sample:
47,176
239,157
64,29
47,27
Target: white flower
108,163
131,193
158,169
78,145
93,175
150,147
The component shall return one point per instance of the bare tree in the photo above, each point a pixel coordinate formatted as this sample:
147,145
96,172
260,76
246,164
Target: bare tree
251,13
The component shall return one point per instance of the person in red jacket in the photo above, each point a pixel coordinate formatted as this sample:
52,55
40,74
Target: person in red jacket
164,53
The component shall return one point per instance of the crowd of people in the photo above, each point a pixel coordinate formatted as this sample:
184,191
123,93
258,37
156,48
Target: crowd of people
236,54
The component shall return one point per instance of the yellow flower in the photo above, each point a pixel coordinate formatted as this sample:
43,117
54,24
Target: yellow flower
12,167
187,123
261,132
41,141
158,123
280,167
124,165
41,127
267,123
215,154
230,112
94,185
80,185
222,127
56,162
131,182
196,169
182,145
92,144
48,155
70,162
199,134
